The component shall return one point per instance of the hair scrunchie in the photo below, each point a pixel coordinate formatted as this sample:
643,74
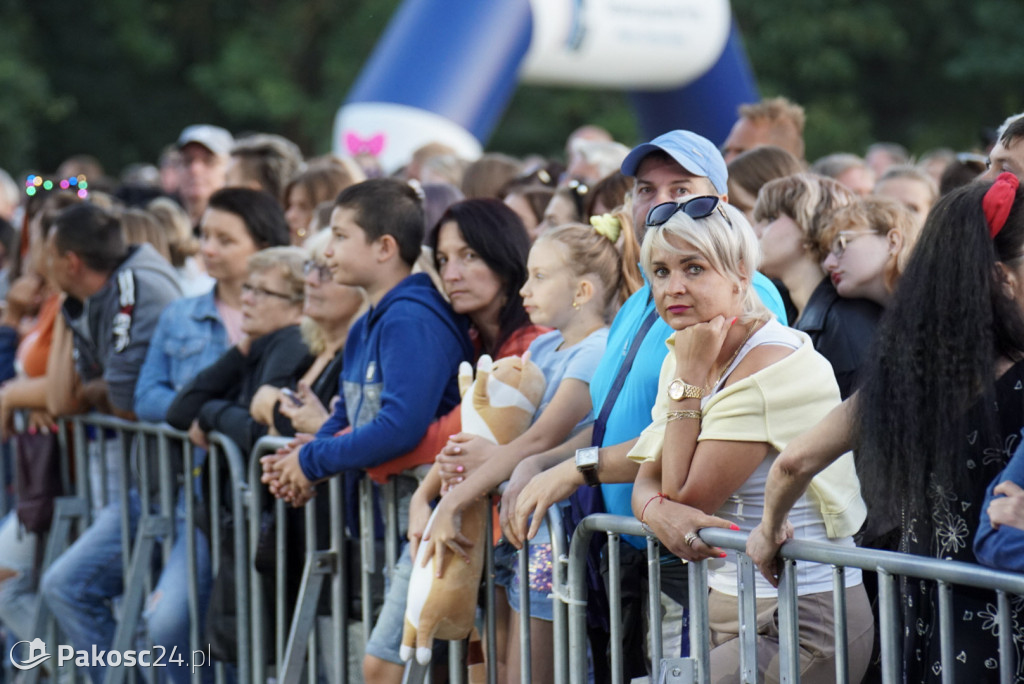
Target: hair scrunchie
998,201
607,225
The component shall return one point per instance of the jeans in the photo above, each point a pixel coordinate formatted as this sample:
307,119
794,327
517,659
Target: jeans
166,614
17,581
79,588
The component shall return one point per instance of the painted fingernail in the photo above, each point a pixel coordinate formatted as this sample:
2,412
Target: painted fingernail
32,430
734,319
459,469
722,555
734,527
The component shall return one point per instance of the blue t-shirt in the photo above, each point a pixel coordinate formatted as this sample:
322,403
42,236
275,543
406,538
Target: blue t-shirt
577,362
632,410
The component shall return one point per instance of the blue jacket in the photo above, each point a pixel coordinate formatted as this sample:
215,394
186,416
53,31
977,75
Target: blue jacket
399,374
189,337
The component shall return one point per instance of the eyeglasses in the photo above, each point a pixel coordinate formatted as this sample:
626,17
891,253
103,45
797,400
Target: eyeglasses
262,293
323,271
695,207
844,238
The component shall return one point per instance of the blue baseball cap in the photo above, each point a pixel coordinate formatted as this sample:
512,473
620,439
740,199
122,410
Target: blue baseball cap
693,152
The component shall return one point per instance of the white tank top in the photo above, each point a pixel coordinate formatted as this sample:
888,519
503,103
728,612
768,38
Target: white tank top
746,506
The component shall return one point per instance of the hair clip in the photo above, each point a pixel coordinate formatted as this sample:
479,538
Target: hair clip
35,184
417,187
998,201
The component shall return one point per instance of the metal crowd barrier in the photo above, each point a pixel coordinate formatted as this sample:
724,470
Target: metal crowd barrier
103,443
888,565
295,648
133,464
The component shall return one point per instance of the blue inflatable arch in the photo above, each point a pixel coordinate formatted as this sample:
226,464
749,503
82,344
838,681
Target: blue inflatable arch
445,70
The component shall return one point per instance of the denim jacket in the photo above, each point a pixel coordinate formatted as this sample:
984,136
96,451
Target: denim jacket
189,337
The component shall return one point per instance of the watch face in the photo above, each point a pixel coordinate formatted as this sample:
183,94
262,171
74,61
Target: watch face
675,390
586,458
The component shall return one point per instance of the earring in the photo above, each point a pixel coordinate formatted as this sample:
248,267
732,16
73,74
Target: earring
575,305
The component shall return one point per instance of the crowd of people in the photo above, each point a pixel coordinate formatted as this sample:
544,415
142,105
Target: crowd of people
730,337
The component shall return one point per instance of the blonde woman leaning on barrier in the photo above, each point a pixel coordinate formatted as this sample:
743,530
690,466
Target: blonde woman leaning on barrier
735,386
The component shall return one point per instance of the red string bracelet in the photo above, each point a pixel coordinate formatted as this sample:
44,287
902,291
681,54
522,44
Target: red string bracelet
643,513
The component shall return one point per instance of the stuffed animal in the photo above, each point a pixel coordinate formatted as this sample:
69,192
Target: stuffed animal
499,406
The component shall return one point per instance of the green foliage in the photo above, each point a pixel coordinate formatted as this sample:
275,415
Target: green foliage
923,73
119,79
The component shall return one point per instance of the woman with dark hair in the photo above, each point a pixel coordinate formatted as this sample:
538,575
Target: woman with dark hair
488,231
937,417
480,249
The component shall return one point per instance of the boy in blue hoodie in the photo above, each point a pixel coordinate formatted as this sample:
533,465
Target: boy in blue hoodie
402,356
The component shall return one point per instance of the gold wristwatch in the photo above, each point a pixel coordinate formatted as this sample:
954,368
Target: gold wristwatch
678,390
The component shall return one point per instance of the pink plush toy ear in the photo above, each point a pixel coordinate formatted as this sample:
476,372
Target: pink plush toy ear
526,357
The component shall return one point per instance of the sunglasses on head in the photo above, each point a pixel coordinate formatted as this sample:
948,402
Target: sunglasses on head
696,208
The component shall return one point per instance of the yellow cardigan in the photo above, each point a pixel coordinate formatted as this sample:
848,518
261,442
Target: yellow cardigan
773,405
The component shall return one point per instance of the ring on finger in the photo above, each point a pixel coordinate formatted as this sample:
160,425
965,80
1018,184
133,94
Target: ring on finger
690,538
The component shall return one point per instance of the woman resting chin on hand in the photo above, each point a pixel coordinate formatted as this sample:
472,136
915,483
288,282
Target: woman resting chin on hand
735,386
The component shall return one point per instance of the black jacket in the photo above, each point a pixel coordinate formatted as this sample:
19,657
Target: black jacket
220,394
842,331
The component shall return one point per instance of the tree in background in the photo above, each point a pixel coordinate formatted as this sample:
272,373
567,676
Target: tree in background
119,79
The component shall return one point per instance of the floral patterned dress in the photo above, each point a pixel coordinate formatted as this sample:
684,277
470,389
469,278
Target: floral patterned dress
949,533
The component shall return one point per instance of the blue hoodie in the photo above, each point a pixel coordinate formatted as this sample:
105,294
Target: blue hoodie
399,373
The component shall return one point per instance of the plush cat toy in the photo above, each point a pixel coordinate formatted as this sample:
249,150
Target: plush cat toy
499,406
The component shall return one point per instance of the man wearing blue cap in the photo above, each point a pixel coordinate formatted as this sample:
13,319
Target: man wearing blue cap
670,168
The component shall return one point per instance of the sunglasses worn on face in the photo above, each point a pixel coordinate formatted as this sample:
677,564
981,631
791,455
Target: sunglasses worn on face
843,240
695,208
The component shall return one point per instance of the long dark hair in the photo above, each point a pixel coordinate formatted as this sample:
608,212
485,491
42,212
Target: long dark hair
936,348
497,234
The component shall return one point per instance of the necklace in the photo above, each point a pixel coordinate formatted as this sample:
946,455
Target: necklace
750,331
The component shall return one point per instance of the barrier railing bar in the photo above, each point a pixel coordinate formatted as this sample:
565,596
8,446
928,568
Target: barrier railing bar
457,661
281,621
368,553
906,565
700,630
318,564
490,633
340,580
311,534
1007,666
191,561
559,627
789,627
150,528
839,624
390,527
747,609
888,627
525,665
220,444
654,600
945,593
615,606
